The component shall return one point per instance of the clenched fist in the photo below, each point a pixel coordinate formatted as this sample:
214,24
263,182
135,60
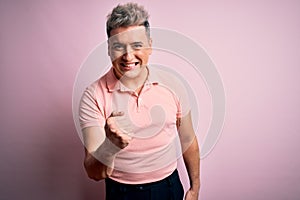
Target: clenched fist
118,129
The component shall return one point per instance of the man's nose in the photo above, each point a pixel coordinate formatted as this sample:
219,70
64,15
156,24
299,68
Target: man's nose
129,54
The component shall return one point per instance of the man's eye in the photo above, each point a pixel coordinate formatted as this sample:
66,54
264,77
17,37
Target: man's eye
118,47
137,46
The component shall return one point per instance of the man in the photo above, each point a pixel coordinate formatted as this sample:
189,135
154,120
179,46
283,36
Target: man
133,117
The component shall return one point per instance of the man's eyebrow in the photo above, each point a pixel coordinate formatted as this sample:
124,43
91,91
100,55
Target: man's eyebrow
120,43
117,43
137,43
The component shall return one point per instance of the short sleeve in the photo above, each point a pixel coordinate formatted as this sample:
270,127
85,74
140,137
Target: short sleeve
179,89
181,92
91,109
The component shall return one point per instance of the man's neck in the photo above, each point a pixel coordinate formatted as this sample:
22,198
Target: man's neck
137,83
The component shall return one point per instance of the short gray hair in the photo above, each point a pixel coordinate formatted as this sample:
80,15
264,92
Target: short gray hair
129,14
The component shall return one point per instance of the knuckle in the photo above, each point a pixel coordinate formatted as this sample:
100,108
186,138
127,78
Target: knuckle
108,121
124,141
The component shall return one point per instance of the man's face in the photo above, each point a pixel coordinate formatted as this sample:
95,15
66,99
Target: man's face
129,49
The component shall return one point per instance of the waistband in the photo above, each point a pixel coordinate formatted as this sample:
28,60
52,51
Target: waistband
126,187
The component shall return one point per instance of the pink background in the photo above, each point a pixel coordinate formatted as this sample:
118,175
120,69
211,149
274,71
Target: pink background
256,48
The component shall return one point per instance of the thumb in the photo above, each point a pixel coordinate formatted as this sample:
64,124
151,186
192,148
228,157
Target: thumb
116,113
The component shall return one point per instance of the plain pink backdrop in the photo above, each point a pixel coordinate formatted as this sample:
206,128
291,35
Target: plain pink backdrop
256,48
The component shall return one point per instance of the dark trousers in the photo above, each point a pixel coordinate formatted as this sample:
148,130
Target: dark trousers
169,188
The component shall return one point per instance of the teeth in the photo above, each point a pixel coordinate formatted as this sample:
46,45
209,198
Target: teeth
130,65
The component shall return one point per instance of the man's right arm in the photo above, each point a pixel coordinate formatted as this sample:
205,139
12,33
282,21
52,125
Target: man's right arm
102,146
95,167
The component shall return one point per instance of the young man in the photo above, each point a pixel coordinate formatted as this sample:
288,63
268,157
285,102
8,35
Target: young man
133,117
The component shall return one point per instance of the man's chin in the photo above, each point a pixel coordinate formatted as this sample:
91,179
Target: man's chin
133,73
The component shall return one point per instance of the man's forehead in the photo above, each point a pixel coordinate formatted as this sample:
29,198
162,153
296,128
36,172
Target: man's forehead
127,34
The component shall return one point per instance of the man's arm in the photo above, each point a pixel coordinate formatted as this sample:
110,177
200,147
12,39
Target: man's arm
93,139
191,155
102,146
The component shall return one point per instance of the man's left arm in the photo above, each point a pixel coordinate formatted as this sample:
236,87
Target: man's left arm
191,155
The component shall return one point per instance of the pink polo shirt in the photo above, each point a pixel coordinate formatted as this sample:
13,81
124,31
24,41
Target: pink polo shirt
154,149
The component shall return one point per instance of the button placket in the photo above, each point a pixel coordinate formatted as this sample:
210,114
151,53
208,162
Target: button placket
138,103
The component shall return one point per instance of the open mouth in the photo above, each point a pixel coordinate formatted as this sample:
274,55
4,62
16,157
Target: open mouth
129,66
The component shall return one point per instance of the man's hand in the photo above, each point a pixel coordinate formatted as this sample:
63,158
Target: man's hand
192,195
94,169
118,129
